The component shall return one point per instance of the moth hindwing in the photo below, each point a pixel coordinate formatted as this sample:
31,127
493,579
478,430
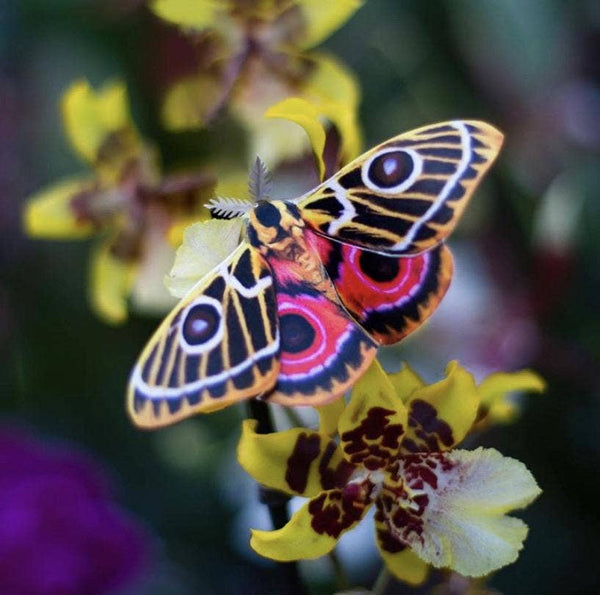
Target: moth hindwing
406,195
219,345
389,296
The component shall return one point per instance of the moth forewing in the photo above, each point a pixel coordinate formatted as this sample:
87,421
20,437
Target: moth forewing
218,346
407,194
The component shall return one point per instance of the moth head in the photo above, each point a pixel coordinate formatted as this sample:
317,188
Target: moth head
274,224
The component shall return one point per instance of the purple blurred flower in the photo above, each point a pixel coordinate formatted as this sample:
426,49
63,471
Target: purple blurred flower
61,533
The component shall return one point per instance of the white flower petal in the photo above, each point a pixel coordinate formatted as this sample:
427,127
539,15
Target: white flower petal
205,245
149,294
464,526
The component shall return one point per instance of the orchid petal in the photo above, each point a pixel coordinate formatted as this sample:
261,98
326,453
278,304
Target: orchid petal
313,530
49,213
463,518
91,117
399,559
405,382
296,461
373,424
196,14
111,283
205,245
336,93
323,18
441,414
190,102
494,388
304,114
329,416
149,294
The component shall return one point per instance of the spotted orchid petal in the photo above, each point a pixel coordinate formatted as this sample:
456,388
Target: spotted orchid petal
373,424
399,559
441,414
329,416
50,214
313,530
454,512
296,461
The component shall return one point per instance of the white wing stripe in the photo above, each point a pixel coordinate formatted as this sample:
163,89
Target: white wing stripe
465,160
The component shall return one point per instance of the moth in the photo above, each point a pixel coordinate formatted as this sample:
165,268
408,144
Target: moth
296,313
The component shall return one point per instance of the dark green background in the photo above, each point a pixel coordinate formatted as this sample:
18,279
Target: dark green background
530,67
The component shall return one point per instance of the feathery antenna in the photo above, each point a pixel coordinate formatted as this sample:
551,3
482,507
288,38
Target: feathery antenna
259,187
222,207
259,181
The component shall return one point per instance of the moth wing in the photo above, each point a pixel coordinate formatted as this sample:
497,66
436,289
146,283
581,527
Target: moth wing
323,351
219,345
389,296
405,195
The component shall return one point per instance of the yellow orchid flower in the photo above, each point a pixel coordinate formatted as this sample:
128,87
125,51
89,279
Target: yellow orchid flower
255,54
123,200
435,505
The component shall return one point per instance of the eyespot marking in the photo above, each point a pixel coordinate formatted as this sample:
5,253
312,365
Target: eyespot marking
201,324
390,169
297,334
378,267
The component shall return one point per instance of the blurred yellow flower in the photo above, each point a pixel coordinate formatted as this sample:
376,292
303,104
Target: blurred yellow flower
123,200
253,54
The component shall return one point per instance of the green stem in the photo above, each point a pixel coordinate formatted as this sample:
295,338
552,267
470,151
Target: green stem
341,578
276,501
293,417
382,583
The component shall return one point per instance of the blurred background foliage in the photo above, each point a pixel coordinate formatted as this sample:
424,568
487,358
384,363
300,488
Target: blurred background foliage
525,292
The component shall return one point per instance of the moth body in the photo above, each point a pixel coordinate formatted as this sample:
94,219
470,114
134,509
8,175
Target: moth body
296,313
276,229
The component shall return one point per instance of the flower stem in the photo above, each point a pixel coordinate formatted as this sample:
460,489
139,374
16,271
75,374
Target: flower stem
260,411
382,583
276,501
341,578
293,417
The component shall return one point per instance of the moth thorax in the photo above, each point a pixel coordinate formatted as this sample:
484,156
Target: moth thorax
273,223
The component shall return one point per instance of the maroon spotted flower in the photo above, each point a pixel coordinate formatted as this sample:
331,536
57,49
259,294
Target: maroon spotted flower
433,505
